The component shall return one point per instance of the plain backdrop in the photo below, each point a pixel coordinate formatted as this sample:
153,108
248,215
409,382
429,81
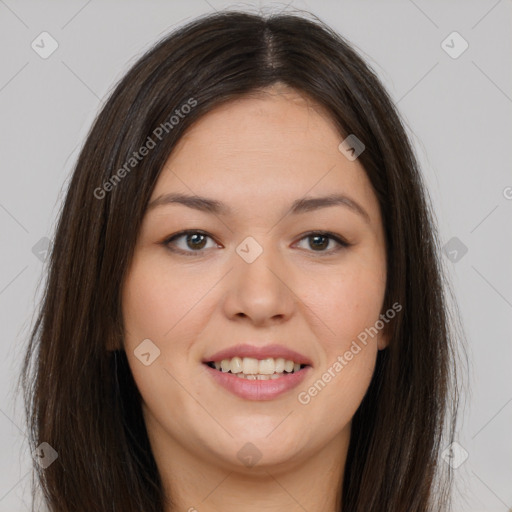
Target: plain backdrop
457,107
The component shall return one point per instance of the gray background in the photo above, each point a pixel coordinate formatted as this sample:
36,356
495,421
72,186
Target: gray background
459,114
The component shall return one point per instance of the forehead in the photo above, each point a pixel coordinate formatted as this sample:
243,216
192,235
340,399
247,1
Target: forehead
275,120
268,148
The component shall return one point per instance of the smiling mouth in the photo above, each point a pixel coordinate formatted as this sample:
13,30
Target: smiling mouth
250,368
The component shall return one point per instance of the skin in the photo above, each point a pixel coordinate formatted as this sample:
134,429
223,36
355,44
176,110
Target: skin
257,154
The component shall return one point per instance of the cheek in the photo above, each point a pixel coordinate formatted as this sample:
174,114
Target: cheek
156,301
348,353
348,302
155,305
163,304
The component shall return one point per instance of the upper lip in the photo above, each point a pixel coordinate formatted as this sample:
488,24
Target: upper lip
259,352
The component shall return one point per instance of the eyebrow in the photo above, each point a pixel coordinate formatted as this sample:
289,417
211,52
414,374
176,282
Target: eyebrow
303,205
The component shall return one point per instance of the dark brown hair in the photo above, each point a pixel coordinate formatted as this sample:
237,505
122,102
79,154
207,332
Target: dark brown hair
80,396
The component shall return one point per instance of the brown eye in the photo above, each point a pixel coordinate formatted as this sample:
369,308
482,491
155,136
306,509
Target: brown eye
319,242
188,242
196,240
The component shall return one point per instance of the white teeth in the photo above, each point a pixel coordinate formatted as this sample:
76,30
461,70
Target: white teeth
254,369
259,377
267,366
236,365
250,366
279,365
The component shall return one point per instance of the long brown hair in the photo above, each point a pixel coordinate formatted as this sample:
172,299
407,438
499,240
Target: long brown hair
80,397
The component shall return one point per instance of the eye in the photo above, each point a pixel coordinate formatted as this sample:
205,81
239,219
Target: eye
193,242
319,241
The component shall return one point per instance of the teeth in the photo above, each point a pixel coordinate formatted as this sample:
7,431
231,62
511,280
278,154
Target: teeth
236,365
250,366
254,369
267,366
259,377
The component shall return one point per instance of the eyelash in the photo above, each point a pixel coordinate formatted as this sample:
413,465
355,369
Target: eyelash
342,244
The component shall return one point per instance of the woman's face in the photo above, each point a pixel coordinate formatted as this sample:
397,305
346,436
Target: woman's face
255,279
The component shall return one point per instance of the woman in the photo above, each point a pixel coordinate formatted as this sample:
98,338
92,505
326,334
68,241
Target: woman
244,308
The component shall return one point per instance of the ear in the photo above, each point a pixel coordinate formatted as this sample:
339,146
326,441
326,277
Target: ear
384,338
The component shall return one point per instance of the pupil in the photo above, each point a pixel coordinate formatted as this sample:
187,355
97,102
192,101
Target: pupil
321,246
195,240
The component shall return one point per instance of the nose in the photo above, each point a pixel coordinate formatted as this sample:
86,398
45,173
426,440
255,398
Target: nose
261,291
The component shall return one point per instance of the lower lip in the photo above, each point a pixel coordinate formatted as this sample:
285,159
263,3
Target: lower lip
258,389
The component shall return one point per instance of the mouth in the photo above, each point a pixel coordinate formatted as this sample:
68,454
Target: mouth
250,368
257,379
